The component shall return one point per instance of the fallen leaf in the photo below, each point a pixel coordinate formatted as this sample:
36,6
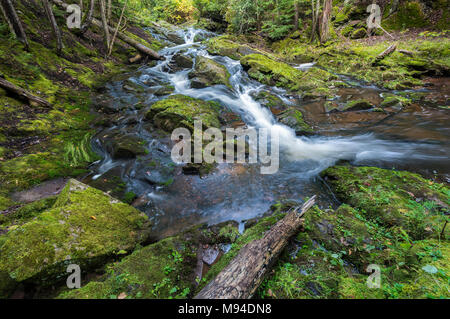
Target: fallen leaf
94,218
122,295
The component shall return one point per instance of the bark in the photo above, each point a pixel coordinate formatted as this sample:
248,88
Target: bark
88,21
14,22
105,24
315,25
55,29
23,93
296,15
325,25
385,54
140,47
109,11
244,274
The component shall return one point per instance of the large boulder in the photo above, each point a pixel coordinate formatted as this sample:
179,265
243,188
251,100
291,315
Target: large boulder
181,111
85,227
208,72
225,46
170,268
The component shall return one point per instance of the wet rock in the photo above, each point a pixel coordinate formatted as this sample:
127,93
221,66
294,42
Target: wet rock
271,101
107,105
126,146
132,87
165,90
208,72
85,227
294,119
357,105
210,255
174,38
180,62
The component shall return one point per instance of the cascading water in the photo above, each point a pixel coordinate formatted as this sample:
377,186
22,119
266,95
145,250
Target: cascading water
223,196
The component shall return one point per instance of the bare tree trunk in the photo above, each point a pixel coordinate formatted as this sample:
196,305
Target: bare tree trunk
315,25
117,28
325,25
81,5
14,22
105,23
244,274
56,30
296,15
109,11
87,22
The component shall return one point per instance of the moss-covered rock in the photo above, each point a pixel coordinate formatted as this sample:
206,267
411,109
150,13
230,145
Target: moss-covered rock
181,111
396,198
410,14
357,105
294,119
225,46
166,269
125,145
271,72
208,72
84,227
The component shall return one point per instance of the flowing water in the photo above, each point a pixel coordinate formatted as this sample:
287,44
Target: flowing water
415,140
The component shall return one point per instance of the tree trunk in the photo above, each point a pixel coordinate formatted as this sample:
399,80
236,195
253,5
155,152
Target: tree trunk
105,24
296,15
244,274
315,25
324,30
117,28
140,47
14,22
23,93
56,30
87,22
109,12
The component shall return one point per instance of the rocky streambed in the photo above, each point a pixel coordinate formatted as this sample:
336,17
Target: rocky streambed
192,219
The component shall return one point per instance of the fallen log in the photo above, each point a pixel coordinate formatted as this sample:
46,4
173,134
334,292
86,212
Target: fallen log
243,275
138,46
385,54
23,93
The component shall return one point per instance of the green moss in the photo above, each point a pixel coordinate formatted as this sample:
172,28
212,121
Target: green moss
208,72
409,15
357,105
84,227
294,119
165,269
28,212
396,198
180,111
227,46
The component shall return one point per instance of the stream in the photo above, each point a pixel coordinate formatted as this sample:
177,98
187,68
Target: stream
416,140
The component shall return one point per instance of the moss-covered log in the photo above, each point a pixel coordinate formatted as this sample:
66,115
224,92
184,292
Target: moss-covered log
243,275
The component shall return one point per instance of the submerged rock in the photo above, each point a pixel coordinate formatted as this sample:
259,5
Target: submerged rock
357,105
208,72
85,227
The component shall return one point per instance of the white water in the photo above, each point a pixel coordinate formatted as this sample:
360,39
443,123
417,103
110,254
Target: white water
323,151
